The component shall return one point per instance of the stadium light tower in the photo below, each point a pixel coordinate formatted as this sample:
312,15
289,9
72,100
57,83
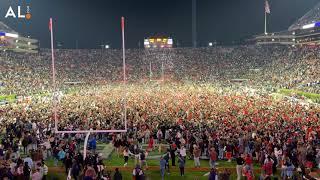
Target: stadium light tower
194,23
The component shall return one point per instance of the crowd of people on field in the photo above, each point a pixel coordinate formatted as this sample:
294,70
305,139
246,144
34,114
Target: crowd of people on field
196,111
194,120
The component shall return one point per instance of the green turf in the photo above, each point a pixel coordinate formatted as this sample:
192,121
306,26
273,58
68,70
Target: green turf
155,175
312,96
114,160
56,176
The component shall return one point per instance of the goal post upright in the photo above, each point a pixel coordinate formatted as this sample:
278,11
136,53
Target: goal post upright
124,119
124,73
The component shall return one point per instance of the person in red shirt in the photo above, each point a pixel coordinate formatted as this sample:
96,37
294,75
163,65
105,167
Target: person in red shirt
213,157
248,161
267,167
151,144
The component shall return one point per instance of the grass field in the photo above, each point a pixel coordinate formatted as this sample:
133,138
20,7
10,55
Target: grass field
114,160
312,96
153,172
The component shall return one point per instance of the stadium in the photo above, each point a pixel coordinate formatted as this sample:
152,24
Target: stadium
305,31
249,111
10,40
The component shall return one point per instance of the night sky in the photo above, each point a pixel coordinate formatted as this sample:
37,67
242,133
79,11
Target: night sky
95,22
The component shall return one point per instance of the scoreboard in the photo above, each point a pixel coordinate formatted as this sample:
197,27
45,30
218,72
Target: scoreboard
158,42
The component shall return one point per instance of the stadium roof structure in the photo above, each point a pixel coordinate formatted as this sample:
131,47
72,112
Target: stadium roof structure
15,42
312,16
5,28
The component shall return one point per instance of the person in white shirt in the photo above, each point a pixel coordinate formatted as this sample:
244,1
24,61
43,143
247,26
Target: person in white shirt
183,152
126,153
159,136
29,161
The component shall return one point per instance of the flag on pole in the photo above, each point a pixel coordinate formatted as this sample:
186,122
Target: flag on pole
50,24
122,23
267,7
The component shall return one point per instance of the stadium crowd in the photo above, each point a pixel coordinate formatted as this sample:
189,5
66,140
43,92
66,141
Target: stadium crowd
276,66
198,112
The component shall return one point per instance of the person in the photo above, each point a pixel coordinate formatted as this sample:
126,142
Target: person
183,152
181,162
143,161
196,156
239,166
67,162
75,169
248,161
225,175
45,170
151,144
162,167
248,172
61,154
268,163
19,170
25,144
117,175
138,173
290,170
90,173
167,157
93,144
125,156
26,171
159,136
213,157
99,165
213,174
29,161
36,175
173,149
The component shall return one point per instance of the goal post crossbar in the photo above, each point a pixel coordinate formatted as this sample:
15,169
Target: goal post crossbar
92,131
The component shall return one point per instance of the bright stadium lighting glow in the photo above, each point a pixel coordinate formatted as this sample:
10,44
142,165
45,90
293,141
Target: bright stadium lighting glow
170,41
308,26
210,44
107,46
12,35
272,39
